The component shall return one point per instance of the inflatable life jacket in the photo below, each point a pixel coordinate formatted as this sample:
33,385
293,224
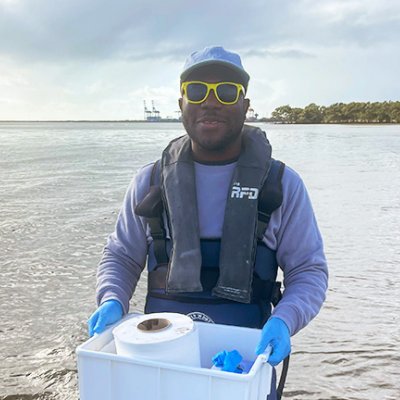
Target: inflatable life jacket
236,303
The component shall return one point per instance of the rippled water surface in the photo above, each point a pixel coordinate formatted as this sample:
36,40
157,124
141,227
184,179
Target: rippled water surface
61,188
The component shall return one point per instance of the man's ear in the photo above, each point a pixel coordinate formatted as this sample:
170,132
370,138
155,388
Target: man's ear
180,103
246,105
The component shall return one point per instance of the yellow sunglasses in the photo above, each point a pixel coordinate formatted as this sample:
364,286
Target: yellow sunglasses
226,92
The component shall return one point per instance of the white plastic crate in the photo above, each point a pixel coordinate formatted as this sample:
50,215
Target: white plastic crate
104,375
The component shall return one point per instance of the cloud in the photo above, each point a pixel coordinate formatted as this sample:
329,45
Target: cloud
277,53
97,59
365,23
11,78
357,11
51,31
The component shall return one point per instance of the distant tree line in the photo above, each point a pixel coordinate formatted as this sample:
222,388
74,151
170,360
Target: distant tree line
339,113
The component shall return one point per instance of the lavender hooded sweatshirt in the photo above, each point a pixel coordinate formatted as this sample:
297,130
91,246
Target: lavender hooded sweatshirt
292,232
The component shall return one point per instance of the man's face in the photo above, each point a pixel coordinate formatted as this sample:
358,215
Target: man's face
214,128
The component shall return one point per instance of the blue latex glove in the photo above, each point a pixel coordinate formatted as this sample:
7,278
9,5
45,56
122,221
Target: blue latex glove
228,361
108,313
275,333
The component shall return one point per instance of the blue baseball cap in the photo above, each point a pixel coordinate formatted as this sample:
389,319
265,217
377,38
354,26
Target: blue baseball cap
215,55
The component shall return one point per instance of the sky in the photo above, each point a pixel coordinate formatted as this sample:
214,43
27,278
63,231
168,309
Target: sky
101,59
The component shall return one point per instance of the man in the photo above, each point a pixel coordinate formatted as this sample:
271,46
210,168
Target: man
214,218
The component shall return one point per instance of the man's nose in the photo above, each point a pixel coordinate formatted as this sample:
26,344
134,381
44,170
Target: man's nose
211,101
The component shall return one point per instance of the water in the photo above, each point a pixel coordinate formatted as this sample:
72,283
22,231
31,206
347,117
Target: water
62,185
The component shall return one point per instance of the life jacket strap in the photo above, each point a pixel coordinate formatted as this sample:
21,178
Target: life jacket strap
151,207
276,293
183,299
271,196
262,290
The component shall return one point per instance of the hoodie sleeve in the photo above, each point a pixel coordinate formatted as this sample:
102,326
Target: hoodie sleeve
293,232
124,256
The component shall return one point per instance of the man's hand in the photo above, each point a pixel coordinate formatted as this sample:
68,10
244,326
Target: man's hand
108,313
275,333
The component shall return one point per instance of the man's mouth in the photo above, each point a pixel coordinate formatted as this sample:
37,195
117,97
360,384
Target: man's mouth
210,121
206,122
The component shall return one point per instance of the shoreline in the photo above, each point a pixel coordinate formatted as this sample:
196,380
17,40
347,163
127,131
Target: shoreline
176,121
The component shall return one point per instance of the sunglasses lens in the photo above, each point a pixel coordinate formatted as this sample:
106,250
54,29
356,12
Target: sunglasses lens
196,91
227,92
